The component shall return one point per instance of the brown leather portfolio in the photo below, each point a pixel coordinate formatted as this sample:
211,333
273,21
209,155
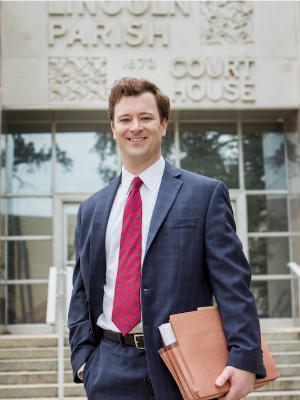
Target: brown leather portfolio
199,354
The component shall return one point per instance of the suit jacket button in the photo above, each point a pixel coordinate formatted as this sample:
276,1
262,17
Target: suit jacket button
91,332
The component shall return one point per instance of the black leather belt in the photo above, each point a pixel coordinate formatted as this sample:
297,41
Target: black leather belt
131,339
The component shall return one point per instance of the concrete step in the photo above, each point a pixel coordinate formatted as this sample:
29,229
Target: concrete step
48,377
10,341
31,377
280,345
286,357
282,334
36,351
32,365
51,340
277,395
31,352
283,383
289,369
34,391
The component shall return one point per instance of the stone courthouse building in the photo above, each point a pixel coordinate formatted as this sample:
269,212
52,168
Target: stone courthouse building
232,72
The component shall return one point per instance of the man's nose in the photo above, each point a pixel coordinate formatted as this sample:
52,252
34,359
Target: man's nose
136,125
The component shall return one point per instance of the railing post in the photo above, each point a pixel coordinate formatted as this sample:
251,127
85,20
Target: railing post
298,300
61,318
294,296
56,314
295,272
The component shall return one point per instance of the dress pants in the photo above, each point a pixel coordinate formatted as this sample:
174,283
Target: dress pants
117,372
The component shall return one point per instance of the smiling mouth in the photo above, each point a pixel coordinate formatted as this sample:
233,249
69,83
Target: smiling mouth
140,139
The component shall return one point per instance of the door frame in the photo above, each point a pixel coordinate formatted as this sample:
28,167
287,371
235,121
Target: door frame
59,201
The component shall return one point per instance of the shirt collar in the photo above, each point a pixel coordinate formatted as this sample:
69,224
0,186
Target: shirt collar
150,177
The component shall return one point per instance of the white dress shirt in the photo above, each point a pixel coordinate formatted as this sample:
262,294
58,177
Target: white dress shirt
151,178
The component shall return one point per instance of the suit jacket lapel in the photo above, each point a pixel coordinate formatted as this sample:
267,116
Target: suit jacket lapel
167,194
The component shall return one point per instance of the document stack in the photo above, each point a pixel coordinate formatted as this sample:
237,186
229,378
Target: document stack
195,352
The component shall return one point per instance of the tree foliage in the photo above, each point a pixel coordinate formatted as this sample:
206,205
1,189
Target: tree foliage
25,153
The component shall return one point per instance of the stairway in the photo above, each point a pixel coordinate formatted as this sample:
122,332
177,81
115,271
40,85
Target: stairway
284,345
28,368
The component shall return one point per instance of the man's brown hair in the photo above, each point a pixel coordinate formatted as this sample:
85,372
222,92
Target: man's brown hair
135,87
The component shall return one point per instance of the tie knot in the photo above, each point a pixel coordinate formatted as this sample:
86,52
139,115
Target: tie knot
136,182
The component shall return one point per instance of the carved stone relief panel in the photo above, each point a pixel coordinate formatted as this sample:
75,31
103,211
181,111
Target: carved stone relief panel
77,79
226,22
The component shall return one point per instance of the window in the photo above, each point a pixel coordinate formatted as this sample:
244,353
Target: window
212,150
86,157
268,222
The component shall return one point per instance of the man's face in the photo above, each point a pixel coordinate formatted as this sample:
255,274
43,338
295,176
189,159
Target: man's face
138,131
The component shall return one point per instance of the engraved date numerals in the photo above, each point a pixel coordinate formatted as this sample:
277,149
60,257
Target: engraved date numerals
139,63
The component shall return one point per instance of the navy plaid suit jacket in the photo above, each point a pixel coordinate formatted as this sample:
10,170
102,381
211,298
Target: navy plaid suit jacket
192,254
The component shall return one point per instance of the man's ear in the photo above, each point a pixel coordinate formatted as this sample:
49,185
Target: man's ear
165,126
112,127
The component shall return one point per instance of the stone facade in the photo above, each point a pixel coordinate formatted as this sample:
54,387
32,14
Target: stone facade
232,72
203,54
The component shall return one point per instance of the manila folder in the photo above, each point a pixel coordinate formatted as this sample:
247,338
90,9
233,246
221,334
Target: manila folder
201,340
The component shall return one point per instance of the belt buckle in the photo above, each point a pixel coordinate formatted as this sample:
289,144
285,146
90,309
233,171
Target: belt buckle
136,337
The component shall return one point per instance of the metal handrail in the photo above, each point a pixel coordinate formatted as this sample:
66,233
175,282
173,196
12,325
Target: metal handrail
270,277
295,274
59,293
294,278
295,268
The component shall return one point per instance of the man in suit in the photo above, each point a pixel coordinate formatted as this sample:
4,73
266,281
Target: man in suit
189,253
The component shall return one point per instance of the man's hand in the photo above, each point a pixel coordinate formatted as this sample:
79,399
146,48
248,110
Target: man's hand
80,375
241,382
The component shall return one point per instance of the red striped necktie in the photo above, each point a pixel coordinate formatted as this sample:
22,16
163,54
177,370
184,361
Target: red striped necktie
126,313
